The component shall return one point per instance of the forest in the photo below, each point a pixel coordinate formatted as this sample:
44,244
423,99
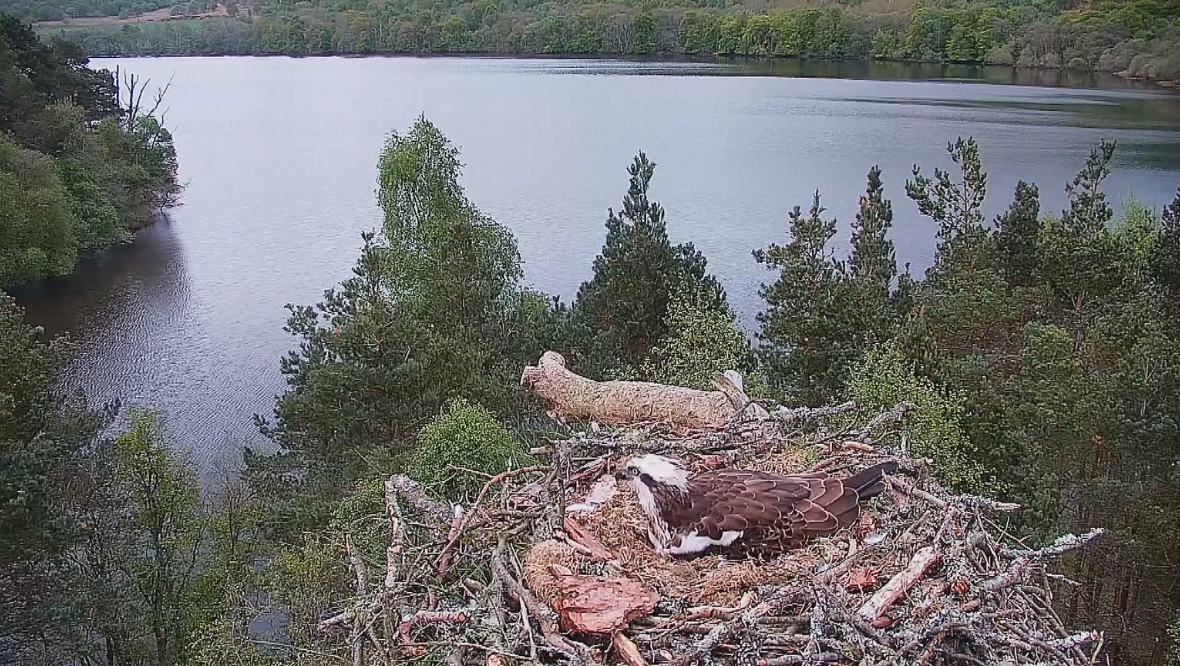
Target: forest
1140,38
1041,349
83,160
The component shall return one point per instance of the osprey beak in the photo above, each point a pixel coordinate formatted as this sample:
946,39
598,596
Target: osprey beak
622,475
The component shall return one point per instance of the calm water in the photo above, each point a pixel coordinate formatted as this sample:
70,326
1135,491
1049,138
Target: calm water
279,157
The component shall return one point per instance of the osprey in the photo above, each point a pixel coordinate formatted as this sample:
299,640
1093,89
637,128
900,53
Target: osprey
741,512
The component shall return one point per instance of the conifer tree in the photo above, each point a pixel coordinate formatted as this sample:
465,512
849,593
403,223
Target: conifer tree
623,308
1165,259
806,331
872,265
1016,234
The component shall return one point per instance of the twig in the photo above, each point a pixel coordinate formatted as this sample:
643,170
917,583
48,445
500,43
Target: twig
358,621
576,652
463,519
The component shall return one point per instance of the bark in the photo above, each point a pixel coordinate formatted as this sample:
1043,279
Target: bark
620,403
597,605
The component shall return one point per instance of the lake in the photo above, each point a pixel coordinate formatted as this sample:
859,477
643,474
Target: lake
279,159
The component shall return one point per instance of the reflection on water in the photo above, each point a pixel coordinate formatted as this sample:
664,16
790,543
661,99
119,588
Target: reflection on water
842,69
279,155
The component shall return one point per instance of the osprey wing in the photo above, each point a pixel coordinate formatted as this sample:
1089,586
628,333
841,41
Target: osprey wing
773,512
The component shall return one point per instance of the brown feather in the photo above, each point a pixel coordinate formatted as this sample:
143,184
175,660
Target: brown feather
774,512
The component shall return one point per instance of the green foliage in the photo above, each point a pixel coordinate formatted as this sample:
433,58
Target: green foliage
75,174
1165,258
1137,36
308,579
955,207
433,312
701,343
823,314
465,435
39,432
167,526
884,379
1016,235
622,310
872,266
802,326
37,234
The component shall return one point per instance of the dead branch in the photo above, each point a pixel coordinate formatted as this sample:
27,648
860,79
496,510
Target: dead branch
627,650
461,520
621,403
899,584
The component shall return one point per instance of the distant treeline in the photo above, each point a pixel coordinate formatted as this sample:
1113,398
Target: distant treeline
83,161
1139,37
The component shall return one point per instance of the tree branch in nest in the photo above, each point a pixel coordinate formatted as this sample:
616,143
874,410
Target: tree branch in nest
461,520
899,584
623,403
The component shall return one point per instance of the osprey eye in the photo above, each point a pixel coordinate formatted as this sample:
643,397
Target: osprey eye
633,470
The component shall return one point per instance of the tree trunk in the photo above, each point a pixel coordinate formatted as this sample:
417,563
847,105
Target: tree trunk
621,403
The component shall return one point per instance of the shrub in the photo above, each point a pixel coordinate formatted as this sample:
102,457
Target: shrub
702,342
465,435
884,379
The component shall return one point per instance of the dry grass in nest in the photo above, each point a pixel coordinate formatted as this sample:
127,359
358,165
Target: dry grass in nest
537,575
787,461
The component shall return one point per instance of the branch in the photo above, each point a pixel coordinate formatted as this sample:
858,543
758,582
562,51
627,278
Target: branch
899,584
577,653
461,520
413,492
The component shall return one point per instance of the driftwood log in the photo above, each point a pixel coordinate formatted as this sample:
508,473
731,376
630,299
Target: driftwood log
620,403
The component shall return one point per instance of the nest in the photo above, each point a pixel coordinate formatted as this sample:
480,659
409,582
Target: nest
926,577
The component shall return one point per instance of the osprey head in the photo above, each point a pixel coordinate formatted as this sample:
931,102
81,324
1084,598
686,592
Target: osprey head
650,470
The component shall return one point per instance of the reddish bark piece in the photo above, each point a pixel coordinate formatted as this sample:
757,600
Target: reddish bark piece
864,525
628,650
901,581
585,539
713,462
598,605
862,578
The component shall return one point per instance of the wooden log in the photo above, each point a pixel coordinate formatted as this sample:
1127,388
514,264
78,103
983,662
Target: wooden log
620,403
899,584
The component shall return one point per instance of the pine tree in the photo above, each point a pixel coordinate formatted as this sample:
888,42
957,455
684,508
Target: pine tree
1089,212
1016,234
872,265
1165,259
807,332
433,312
1075,253
623,308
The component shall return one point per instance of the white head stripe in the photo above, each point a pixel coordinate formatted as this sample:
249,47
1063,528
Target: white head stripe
662,470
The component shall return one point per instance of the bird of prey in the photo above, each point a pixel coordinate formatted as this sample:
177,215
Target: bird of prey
744,513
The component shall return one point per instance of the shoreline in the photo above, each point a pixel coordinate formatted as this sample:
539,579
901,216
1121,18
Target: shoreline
754,67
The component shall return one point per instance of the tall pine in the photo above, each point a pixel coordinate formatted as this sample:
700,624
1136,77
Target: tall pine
805,330
622,310
872,265
1016,234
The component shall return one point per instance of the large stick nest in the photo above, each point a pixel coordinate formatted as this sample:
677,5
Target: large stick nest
551,564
